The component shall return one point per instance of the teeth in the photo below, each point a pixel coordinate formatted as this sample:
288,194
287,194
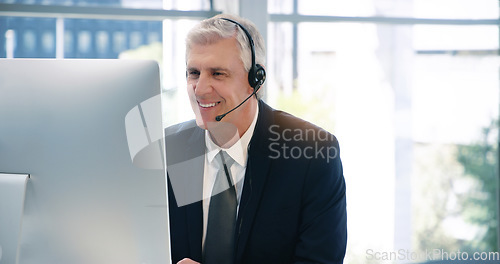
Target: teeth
207,105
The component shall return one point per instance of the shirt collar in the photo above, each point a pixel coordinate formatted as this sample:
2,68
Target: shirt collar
239,150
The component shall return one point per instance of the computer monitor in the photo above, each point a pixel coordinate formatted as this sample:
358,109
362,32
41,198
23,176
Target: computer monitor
88,132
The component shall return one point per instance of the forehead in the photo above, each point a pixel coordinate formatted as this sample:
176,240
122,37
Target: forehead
224,52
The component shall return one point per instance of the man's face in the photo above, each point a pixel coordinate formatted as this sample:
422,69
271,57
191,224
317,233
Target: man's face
217,82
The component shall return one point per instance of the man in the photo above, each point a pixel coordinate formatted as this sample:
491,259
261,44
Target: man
284,175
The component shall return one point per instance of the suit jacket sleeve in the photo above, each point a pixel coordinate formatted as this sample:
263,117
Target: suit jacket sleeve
322,234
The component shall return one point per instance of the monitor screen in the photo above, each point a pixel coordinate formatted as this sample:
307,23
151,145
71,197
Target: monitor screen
89,134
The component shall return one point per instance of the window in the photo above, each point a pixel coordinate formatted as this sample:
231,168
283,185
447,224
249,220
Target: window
414,103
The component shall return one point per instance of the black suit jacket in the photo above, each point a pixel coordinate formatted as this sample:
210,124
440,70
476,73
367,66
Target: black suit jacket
293,205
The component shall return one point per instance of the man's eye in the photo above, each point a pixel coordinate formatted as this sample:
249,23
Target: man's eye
218,74
193,74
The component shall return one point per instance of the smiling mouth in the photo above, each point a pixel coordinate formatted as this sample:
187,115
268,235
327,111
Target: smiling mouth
208,105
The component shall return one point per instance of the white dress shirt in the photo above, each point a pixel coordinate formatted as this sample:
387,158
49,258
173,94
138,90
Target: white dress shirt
239,153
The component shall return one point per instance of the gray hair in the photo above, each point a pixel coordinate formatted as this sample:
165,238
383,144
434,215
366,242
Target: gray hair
211,30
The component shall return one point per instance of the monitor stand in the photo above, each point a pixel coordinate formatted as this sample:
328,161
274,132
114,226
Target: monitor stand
12,193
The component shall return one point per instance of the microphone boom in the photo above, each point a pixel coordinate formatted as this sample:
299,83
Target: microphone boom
219,117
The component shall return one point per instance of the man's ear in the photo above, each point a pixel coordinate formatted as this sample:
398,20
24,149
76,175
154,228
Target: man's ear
250,90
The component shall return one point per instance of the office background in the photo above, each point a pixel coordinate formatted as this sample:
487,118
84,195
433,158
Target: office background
410,88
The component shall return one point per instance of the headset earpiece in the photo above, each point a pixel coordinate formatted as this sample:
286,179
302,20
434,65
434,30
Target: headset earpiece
256,76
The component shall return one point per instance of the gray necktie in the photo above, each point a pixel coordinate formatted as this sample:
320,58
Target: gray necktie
219,241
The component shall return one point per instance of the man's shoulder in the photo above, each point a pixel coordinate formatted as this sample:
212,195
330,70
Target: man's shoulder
184,142
287,121
290,128
181,127
180,135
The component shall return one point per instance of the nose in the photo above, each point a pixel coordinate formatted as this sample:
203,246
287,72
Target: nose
203,85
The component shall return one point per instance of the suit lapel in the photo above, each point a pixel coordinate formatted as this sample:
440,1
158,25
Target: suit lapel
185,149
255,178
194,215
194,211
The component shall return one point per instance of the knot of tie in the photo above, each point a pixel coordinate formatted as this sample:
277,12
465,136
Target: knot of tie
223,179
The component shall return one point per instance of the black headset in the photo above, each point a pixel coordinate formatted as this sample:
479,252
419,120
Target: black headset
256,74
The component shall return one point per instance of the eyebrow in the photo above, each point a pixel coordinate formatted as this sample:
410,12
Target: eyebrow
219,69
213,69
